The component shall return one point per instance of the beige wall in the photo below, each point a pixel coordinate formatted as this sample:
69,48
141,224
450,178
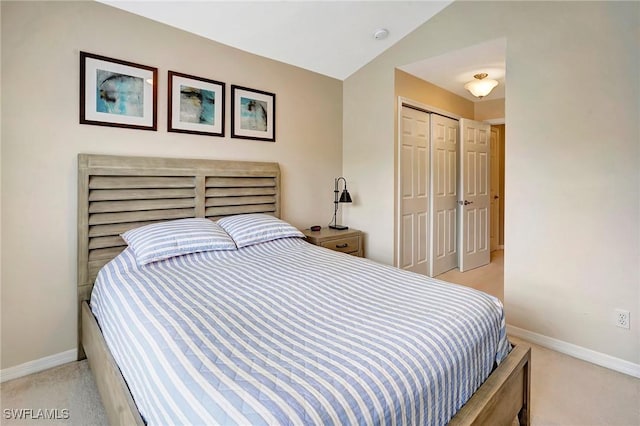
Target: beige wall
572,159
41,138
416,89
488,109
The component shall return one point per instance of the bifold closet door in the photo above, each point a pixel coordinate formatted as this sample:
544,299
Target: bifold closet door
474,189
414,190
444,195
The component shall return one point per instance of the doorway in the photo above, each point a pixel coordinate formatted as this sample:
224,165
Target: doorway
432,202
443,193
497,186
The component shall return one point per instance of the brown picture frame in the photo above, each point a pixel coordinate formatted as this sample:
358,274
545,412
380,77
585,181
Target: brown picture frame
196,105
117,93
253,114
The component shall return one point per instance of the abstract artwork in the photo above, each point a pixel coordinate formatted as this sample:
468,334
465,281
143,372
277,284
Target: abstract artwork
196,105
253,114
117,93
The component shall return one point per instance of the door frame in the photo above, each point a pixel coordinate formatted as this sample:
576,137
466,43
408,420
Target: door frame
496,194
497,122
403,101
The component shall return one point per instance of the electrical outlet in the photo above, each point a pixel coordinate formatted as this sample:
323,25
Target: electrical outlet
622,318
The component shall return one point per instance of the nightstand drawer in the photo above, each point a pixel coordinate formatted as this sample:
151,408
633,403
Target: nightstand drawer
345,245
349,241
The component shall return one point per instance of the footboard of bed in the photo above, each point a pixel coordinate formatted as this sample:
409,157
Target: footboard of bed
117,400
504,396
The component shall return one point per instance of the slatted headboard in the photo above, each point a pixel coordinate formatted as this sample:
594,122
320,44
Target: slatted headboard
117,193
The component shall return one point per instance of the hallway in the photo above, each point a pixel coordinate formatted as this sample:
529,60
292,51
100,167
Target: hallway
489,278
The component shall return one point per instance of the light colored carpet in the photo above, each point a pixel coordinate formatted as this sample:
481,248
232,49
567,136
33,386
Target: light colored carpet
570,392
489,278
68,387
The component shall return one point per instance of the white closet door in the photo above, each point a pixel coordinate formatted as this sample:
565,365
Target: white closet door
474,217
413,177
444,195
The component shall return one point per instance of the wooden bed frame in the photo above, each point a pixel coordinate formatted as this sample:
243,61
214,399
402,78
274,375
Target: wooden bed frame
120,193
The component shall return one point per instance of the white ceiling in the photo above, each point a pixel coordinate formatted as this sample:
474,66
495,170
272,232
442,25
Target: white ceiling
333,38
453,69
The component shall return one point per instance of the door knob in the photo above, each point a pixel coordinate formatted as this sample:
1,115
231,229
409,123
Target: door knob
465,203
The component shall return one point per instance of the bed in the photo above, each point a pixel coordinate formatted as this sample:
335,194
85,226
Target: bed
390,374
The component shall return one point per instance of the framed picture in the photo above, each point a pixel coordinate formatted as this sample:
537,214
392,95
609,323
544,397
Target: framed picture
117,93
253,114
196,105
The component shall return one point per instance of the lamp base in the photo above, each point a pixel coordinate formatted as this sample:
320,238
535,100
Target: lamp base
339,227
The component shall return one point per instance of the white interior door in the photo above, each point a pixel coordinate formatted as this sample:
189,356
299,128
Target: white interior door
414,172
474,193
444,195
494,229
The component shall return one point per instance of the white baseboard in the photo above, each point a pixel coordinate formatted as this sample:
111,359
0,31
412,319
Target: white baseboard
38,365
598,358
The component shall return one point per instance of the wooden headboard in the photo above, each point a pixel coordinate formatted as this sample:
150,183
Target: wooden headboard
117,193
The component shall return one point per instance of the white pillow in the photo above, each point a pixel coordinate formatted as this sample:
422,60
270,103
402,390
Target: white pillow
163,240
254,228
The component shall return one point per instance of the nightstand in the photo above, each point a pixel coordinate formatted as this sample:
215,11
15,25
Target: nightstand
349,241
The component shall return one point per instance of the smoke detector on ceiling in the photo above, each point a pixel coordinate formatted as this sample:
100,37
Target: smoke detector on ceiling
380,34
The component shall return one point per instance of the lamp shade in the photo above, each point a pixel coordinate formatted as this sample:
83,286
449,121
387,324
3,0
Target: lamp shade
345,197
481,86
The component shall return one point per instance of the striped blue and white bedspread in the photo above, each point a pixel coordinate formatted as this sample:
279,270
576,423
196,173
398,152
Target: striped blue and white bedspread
294,334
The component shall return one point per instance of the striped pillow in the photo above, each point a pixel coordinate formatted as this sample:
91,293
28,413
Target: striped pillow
163,240
254,228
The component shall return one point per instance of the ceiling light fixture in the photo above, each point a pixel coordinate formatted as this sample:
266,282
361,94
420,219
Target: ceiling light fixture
381,34
481,86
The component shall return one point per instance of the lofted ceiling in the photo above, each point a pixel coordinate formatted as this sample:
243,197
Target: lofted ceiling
333,38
